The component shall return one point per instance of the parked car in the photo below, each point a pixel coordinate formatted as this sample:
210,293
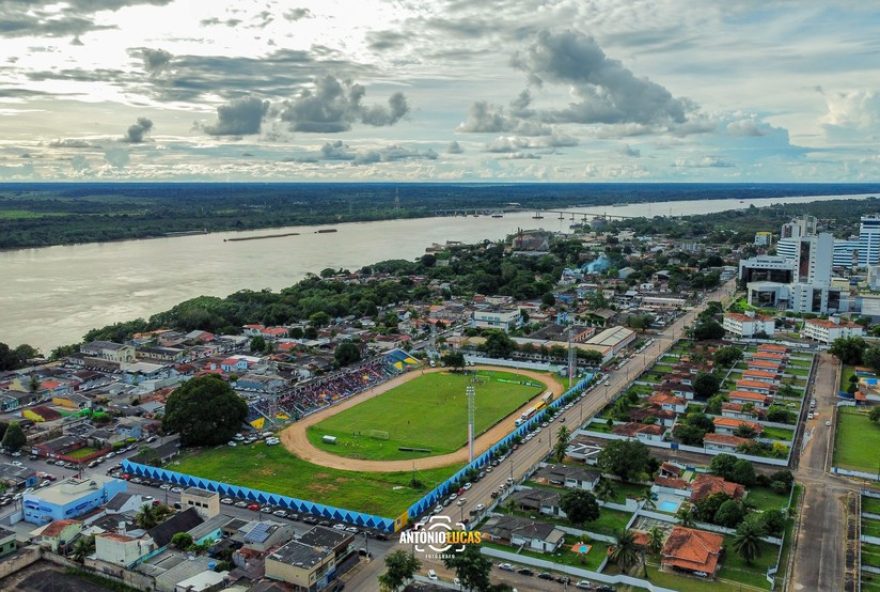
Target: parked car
253,507
280,513
432,575
525,571
241,504
505,567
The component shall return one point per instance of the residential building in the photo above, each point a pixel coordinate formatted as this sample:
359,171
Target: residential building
8,544
70,498
181,522
108,350
846,252
544,501
207,581
869,240
531,534
305,567
122,549
497,319
749,325
705,485
744,397
727,425
614,338
755,386
827,330
763,239
724,442
694,551
206,503
58,534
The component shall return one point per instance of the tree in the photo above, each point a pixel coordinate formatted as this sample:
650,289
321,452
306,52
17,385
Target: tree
562,437
604,490
498,344
624,458
454,360
743,473
258,344
729,514
706,384
548,299
182,540
728,355
708,329
722,465
296,333
655,539
874,414
310,332
685,515
625,552
14,438
347,353
848,350
580,506
151,515
747,541
744,430
707,507
319,319
471,567
205,411
871,358
773,521
84,546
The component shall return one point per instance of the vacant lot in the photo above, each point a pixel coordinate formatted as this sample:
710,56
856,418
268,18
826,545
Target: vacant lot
429,413
856,441
275,470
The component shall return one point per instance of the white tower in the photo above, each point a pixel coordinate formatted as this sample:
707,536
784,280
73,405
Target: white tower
471,392
572,358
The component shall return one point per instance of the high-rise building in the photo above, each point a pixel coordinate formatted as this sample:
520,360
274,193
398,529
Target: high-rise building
846,252
798,227
869,240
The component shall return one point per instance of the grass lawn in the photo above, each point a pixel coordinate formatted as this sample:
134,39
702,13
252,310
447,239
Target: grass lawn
871,555
684,583
733,567
599,426
789,533
662,368
625,490
765,499
427,412
82,452
610,522
797,371
778,433
856,441
845,373
871,504
273,469
565,555
871,527
870,582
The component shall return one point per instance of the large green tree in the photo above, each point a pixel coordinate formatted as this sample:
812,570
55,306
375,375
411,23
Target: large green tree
627,459
580,506
454,360
706,384
747,540
848,349
347,353
562,438
471,567
14,438
205,411
624,552
498,344
400,567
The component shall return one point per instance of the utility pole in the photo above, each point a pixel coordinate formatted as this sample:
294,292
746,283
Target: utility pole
471,392
572,357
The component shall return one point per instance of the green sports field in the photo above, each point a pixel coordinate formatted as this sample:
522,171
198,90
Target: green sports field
275,470
428,412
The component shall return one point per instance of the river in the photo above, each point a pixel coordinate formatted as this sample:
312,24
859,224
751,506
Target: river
51,296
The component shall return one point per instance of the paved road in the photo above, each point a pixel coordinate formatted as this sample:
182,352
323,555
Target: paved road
530,453
819,559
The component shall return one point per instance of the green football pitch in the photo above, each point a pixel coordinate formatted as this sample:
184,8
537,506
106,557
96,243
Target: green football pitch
428,413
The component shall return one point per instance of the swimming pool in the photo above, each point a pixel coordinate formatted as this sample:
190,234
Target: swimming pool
669,506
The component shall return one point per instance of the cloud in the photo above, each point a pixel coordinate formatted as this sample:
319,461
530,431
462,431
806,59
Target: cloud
511,144
454,148
341,151
116,157
485,118
335,104
80,163
707,162
25,18
382,40
630,151
135,133
239,117
72,143
607,92
155,60
214,21
297,14
852,115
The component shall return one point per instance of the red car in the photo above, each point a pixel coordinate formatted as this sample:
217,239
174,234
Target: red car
254,507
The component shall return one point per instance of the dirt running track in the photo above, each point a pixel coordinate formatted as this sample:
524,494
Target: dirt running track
295,440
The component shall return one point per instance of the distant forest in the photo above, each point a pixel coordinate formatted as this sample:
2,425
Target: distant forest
42,214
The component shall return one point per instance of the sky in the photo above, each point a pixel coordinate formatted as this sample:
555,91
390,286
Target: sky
446,90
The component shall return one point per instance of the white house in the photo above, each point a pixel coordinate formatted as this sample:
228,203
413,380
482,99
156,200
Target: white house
749,324
497,319
826,331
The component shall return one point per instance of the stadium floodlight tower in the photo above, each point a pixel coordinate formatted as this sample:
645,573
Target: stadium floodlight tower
572,357
471,395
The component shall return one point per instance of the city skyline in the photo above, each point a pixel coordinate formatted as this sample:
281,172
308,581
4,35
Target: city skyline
569,91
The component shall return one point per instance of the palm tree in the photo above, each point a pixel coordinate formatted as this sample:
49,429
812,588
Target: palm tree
649,499
604,490
562,437
685,515
747,541
625,553
655,539
84,547
148,517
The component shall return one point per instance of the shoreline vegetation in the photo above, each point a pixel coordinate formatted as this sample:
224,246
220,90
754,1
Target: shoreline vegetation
47,214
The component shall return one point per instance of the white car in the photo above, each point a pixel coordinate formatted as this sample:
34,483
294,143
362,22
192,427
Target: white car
468,485
505,567
479,508
226,500
432,575
828,423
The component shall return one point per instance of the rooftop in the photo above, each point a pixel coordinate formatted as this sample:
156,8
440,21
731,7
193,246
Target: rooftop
69,490
300,555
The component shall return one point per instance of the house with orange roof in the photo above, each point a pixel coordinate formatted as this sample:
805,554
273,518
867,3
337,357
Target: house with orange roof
762,375
705,485
774,356
827,330
766,365
729,425
724,442
693,551
755,386
740,411
773,347
671,485
640,431
58,534
121,549
668,401
758,399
